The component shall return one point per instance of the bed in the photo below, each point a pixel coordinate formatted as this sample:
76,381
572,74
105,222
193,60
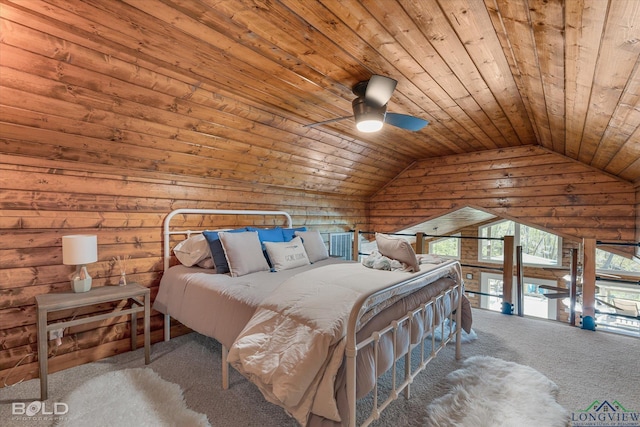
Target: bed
315,336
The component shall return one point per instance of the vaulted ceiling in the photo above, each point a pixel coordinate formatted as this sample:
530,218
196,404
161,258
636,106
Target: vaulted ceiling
232,83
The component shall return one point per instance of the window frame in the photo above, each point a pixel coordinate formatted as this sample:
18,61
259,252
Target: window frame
516,237
615,272
455,236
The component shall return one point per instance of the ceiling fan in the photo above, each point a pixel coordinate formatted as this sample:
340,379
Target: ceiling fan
370,107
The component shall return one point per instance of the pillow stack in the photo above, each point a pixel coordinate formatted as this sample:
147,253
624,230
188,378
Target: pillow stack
248,250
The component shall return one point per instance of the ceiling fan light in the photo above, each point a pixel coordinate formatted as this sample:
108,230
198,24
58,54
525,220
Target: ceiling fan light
368,118
369,125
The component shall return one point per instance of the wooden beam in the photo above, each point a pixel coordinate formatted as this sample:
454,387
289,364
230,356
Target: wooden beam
356,243
507,276
420,242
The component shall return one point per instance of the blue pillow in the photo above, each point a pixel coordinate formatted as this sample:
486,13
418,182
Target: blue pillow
217,252
268,234
289,233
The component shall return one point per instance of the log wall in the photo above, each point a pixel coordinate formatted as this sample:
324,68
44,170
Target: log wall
529,184
43,200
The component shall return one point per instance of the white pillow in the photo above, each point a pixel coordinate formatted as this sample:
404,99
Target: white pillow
314,245
207,263
398,249
192,250
243,252
286,255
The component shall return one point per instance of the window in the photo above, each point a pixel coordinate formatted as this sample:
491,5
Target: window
538,247
447,247
608,262
535,303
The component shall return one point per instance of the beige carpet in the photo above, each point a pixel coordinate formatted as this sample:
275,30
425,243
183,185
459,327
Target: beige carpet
585,365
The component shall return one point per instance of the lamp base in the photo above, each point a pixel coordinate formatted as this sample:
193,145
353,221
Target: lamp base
81,285
80,280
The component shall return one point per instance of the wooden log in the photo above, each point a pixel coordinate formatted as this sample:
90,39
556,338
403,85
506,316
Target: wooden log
507,275
420,248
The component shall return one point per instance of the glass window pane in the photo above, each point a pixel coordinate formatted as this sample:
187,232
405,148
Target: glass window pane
539,247
449,247
611,262
493,250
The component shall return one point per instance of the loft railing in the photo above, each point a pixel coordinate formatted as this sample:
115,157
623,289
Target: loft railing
513,261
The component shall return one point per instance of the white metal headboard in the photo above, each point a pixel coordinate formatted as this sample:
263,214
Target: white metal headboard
167,233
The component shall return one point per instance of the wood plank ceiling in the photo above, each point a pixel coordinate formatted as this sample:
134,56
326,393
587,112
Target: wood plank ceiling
223,88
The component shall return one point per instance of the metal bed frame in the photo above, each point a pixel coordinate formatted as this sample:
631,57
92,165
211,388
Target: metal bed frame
445,299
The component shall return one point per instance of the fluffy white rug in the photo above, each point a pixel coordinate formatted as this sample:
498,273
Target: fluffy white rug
490,392
131,397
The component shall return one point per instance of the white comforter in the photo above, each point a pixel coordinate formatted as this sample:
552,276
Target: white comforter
293,345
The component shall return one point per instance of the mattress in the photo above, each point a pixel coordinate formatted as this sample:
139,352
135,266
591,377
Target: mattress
218,305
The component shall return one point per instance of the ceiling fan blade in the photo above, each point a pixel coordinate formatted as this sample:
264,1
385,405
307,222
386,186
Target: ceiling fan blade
405,122
555,295
603,302
326,122
553,288
379,90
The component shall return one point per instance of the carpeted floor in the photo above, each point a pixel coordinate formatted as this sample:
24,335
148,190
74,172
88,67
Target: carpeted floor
585,365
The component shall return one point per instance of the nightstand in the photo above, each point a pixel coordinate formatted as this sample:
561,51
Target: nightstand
137,296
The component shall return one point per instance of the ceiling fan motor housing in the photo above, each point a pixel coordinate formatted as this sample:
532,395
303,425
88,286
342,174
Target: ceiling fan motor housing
364,112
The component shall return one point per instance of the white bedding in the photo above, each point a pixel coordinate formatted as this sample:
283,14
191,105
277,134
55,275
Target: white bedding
218,305
293,345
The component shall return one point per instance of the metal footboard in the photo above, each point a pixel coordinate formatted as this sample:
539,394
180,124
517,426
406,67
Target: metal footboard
428,312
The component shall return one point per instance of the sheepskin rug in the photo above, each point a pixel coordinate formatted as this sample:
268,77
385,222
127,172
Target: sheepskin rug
130,397
490,392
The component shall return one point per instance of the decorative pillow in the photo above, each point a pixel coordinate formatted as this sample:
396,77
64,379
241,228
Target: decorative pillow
268,234
192,250
217,253
243,252
314,245
286,255
207,263
289,233
398,249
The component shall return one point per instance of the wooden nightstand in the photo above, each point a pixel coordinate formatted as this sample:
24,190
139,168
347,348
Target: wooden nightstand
138,297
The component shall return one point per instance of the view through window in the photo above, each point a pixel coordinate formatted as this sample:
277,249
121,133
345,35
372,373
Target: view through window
608,262
538,247
448,247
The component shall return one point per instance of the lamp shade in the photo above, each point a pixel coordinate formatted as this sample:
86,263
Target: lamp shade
79,249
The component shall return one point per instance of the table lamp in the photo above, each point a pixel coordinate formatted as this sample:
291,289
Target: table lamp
80,250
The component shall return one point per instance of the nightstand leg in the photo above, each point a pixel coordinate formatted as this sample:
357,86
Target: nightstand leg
147,326
42,352
134,330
